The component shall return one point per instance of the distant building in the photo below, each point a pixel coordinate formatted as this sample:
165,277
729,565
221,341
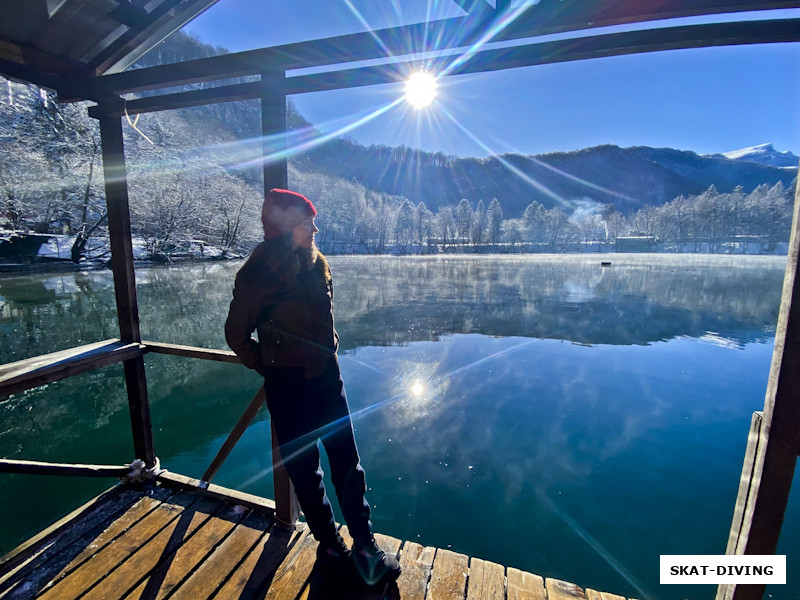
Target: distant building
635,243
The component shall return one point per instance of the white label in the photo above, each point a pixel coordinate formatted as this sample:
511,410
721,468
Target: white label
713,568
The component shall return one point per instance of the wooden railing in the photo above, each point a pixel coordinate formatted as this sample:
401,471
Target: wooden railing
33,372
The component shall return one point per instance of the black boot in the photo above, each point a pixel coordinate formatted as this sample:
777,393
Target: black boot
333,552
334,559
374,564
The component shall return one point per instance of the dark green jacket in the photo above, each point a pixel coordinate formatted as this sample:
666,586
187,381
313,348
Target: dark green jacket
294,319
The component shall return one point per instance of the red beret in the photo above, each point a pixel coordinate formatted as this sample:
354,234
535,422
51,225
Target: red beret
283,211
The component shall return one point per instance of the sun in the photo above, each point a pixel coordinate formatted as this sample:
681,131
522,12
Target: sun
420,89
417,389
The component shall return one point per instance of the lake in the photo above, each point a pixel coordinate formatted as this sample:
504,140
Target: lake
543,412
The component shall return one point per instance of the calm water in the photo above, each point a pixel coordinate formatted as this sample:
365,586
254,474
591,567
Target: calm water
570,420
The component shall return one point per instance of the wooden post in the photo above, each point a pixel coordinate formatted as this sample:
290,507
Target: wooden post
119,232
775,457
276,175
273,130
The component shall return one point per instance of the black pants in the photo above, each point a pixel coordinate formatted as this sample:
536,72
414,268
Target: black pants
304,411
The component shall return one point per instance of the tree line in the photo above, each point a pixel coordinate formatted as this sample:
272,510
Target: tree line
358,220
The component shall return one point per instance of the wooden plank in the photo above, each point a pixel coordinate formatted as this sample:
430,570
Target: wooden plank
37,551
416,563
158,549
174,480
133,516
226,557
449,576
227,356
754,439
192,549
252,576
24,374
293,573
595,595
524,586
486,581
92,565
563,590
33,467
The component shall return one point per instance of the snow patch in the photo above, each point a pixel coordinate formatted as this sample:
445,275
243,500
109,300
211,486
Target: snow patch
764,154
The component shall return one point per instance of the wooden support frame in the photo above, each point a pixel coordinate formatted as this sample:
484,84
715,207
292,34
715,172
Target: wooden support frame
421,37
772,452
287,508
600,46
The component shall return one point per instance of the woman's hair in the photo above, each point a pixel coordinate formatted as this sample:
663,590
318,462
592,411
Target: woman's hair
286,261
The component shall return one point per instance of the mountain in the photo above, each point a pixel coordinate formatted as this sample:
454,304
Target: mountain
629,178
764,154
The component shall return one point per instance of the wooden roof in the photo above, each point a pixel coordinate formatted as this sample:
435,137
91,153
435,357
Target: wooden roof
58,43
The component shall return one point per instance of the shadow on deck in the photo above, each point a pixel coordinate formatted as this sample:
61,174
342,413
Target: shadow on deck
158,542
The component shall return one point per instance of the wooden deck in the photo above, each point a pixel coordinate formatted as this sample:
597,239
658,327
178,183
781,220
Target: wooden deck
158,542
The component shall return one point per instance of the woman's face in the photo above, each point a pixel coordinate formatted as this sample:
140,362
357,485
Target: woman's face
303,234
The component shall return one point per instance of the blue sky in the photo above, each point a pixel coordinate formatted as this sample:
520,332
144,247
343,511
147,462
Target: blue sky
706,100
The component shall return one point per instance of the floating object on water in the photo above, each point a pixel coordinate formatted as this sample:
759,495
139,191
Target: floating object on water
605,263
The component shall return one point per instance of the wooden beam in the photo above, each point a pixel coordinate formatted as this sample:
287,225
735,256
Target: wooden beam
693,36
32,467
32,372
616,44
227,93
420,37
192,352
776,454
69,79
175,480
241,425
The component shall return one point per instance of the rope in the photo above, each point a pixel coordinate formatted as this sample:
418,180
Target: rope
133,123
139,473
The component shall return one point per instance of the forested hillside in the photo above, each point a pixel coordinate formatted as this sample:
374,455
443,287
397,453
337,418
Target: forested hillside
195,183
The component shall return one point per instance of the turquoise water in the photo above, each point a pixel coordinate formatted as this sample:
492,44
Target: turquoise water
541,412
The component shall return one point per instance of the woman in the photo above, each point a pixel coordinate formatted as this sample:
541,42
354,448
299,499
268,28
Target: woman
285,292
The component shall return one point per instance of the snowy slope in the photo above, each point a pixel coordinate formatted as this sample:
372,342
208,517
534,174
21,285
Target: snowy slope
765,154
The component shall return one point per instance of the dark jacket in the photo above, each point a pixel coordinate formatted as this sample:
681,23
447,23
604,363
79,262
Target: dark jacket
291,309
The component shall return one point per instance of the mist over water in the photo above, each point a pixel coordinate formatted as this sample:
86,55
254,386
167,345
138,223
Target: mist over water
542,412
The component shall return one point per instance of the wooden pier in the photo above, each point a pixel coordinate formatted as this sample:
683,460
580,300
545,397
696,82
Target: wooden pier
156,542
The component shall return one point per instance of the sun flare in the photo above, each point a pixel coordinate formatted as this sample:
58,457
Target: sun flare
417,389
420,89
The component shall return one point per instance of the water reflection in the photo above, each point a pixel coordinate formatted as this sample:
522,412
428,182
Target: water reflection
530,399
395,300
